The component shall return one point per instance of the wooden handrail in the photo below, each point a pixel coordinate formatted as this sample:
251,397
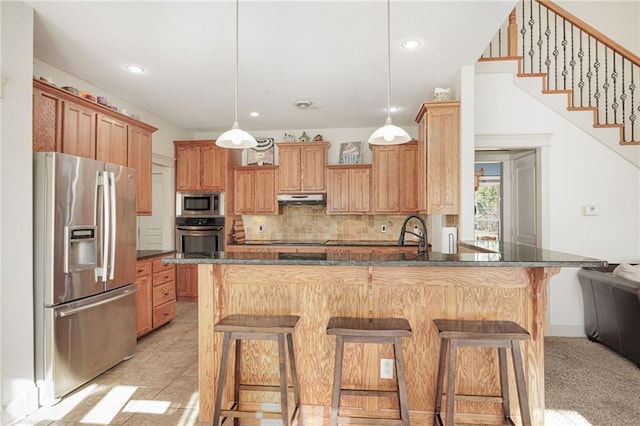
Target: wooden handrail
590,30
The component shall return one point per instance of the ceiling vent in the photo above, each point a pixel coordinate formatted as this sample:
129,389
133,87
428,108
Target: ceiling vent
302,104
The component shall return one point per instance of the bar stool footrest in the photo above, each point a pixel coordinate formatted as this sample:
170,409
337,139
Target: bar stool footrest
477,398
369,392
368,421
508,422
263,388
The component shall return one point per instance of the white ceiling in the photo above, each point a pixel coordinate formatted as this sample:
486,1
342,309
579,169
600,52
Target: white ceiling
332,53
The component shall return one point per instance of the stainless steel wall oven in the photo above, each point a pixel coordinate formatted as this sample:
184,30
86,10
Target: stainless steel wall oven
199,235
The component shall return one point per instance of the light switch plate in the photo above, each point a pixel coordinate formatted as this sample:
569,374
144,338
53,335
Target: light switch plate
590,210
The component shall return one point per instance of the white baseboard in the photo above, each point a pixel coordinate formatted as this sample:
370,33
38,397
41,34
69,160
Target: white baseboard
559,330
20,407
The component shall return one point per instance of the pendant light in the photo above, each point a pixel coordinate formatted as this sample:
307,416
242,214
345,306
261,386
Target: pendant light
236,138
389,134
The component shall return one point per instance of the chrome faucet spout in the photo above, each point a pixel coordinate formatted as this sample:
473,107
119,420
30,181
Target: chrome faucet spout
422,246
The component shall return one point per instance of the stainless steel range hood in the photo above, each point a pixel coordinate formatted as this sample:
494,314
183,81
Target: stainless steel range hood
301,199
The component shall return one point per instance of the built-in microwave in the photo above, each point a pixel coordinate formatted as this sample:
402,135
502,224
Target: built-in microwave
204,204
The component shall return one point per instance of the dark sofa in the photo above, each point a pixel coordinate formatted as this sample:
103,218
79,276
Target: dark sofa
612,310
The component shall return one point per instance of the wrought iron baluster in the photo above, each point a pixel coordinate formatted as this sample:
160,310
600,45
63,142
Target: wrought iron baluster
556,52
572,64
623,100
564,54
539,38
606,85
596,95
523,32
532,22
614,101
589,72
632,90
547,62
581,82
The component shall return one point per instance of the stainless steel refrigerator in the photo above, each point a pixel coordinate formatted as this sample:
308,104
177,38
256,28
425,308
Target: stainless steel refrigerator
84,270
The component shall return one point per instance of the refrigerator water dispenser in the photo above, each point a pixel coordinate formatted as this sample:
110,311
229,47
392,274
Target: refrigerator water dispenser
80,248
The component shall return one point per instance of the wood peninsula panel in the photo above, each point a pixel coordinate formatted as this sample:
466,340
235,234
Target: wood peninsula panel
419,294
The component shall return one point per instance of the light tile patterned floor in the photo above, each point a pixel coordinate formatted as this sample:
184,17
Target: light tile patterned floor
158,386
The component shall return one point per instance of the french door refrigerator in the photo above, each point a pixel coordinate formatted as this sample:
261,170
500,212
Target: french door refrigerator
84,270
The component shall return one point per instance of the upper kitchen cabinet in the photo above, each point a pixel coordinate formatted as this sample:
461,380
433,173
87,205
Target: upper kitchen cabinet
67,123
302,167
111,140
439,153
200,166
394,176
62,125
139,157
348,189
255,190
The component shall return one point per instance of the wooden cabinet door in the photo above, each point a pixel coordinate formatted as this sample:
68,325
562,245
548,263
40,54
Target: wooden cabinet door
187,281
385,171
408,177
213,168
111,140
245,187
314,161
144,306
187,168
439,139
265,191
338,190
290,178
360,190
79,131
139,157
47,120
348,189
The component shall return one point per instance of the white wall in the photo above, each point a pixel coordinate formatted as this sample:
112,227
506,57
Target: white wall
616,19
580,171
162,139
334,136
18,394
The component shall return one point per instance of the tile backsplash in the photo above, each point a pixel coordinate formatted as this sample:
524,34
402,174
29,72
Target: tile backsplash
312,223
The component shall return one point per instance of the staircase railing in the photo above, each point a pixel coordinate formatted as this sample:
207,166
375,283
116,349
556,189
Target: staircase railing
596,72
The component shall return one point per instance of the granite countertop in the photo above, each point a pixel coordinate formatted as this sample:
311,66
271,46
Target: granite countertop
346,243
503,254
145,254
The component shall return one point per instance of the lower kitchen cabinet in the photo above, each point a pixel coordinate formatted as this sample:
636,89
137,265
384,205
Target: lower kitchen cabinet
156,297
187,282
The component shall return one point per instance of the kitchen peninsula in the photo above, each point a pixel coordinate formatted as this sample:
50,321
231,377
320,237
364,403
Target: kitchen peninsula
504,281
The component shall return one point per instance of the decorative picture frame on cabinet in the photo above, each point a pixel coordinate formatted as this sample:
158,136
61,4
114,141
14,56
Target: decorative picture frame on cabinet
262,154
350,152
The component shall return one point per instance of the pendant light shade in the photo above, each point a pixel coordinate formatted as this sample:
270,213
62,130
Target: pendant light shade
236,138
389,134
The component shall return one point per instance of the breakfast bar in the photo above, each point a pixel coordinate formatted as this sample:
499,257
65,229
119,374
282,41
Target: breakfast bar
487,281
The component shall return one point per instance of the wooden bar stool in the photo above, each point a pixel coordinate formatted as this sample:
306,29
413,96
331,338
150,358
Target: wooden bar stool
257,327
495,334
369,330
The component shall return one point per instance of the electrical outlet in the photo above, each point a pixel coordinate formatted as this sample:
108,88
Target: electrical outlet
386,368
383,228
260,229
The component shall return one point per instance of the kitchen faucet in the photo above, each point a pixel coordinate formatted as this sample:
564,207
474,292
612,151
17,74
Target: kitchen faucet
422,246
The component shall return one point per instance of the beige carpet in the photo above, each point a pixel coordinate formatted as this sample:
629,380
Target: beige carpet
588,384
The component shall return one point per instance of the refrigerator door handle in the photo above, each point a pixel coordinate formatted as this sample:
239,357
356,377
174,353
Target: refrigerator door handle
112,263
106,232
70,312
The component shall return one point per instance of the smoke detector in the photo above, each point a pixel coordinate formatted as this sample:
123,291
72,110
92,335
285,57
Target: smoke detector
302,104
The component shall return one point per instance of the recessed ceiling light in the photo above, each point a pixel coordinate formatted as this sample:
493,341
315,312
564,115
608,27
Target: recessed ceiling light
411,44
135,69
254,114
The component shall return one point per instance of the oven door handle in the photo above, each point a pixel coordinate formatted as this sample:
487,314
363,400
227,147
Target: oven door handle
200,228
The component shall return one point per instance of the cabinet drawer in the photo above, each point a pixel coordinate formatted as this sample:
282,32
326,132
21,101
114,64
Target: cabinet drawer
163,293
164,313
159,266
164,276
143,267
